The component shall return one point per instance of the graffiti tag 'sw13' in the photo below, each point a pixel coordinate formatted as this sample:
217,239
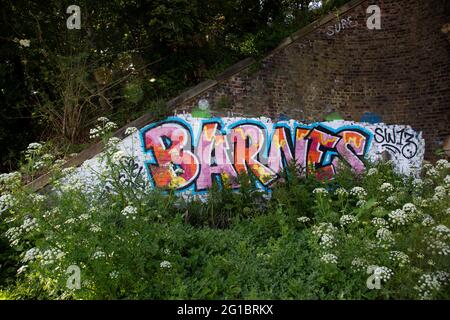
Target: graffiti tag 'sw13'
190,153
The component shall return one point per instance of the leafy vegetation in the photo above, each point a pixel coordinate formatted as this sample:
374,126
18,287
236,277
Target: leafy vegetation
127,55
308,239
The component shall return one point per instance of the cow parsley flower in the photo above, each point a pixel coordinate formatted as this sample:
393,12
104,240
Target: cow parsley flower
95,228
438,240
409,208
31,254
398,217
361,203
303,219
110,126
329,258
7,201
442,164
358,192
130,212
427,220
103,119
439,193
29,224
165,265
432,173
399,257
130,130
114,274
10,181
112,142
34,148
391,200
430,283
327,241
383,273
417,183
372,171
24,43
379,222
384,234
359,264
98,254
386,187
118,156
347,219
320,191
50,255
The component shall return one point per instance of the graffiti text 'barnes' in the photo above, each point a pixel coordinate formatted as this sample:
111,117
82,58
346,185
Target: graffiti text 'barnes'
178,160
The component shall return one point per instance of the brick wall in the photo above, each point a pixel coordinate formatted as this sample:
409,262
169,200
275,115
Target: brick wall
401,72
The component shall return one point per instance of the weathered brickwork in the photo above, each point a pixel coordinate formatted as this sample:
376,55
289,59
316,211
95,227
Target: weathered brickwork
401,72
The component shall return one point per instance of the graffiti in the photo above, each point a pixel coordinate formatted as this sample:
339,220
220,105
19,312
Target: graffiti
399,142
180,160
189,154
341,25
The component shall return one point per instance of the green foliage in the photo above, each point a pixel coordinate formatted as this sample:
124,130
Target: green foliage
308,239
54,81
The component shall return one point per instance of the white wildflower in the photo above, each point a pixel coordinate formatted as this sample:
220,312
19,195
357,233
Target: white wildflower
383,273
327,241
417,183
432,173
129,212
329,258
103,119
384,234
95,228
303,219
24,43
358,192
359,264
398,217
165,265
372,171
34,148
431,283
347,219
29,224
401,258
98,254
391,200
130,130
110,126
439,193
118,156
438,240
386,187
427,220
409,208
30,255
361,203
7,201
379,222
320,191
442,164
